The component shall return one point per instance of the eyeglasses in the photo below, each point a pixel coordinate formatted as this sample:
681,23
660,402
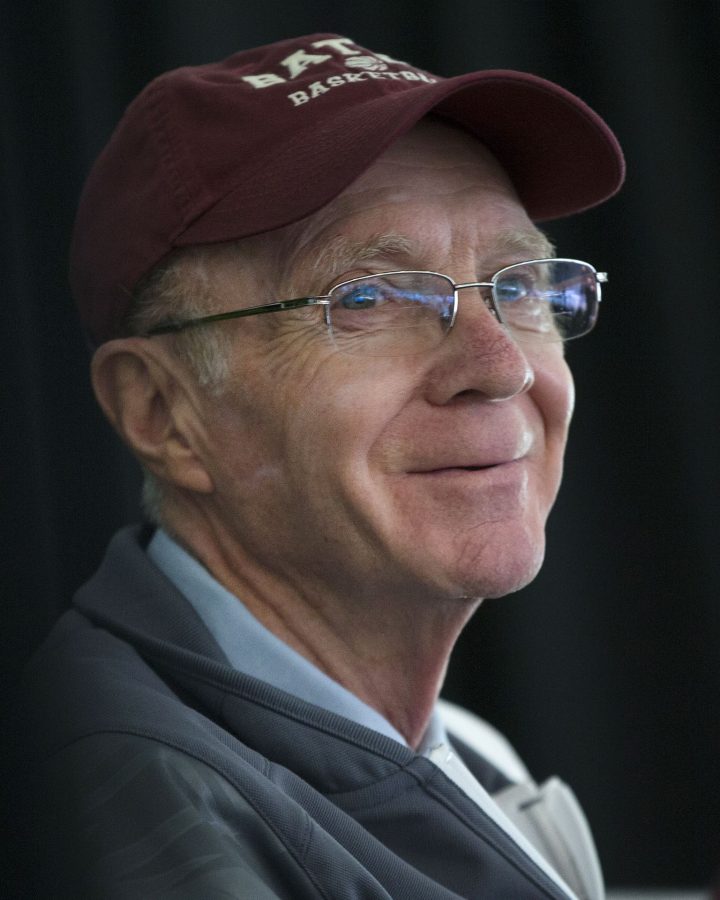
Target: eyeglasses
404,313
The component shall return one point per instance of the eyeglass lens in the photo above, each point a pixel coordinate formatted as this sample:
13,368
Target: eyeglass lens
551,300
392,314
403,313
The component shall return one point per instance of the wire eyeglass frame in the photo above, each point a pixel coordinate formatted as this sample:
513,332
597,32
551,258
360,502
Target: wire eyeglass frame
491,298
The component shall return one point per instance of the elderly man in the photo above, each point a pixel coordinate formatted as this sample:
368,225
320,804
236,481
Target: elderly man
329,330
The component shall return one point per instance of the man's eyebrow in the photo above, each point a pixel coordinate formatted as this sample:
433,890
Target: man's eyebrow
531,243
341,252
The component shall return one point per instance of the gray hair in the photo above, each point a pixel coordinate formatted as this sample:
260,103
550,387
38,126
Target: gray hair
178,288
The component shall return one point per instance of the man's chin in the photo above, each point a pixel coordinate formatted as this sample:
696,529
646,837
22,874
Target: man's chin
505,570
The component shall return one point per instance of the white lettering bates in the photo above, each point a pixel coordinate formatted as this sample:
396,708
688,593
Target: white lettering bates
301,60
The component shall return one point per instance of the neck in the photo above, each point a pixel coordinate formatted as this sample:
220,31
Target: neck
395,662
391,650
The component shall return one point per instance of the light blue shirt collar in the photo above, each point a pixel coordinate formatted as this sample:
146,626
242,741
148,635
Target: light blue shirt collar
253,649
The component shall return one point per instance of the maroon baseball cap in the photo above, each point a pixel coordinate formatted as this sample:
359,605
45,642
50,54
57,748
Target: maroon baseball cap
268,136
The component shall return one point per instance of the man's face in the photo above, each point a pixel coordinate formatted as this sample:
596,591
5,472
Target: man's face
426,475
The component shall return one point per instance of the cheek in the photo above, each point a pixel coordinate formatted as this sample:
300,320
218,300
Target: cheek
334,427
553,394
309,418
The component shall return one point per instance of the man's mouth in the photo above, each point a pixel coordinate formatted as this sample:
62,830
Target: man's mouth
472,468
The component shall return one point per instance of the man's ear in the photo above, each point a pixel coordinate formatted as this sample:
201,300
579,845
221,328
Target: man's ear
144,395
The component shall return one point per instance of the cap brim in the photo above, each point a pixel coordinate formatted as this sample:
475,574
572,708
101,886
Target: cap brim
560,155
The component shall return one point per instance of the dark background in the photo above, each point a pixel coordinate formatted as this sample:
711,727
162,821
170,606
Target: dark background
607,669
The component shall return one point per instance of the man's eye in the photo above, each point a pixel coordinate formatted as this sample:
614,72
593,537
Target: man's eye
512,290
364,297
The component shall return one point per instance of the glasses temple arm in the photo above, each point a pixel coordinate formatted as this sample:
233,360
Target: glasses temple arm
172,327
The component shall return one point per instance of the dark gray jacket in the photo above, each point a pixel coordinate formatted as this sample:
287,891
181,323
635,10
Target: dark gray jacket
163,773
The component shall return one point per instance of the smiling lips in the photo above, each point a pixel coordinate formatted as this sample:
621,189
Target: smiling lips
479,456
480,467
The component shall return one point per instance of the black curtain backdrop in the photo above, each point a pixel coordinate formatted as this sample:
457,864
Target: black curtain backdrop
607,669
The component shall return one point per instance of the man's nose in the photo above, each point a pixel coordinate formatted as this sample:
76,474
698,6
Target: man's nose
480,355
